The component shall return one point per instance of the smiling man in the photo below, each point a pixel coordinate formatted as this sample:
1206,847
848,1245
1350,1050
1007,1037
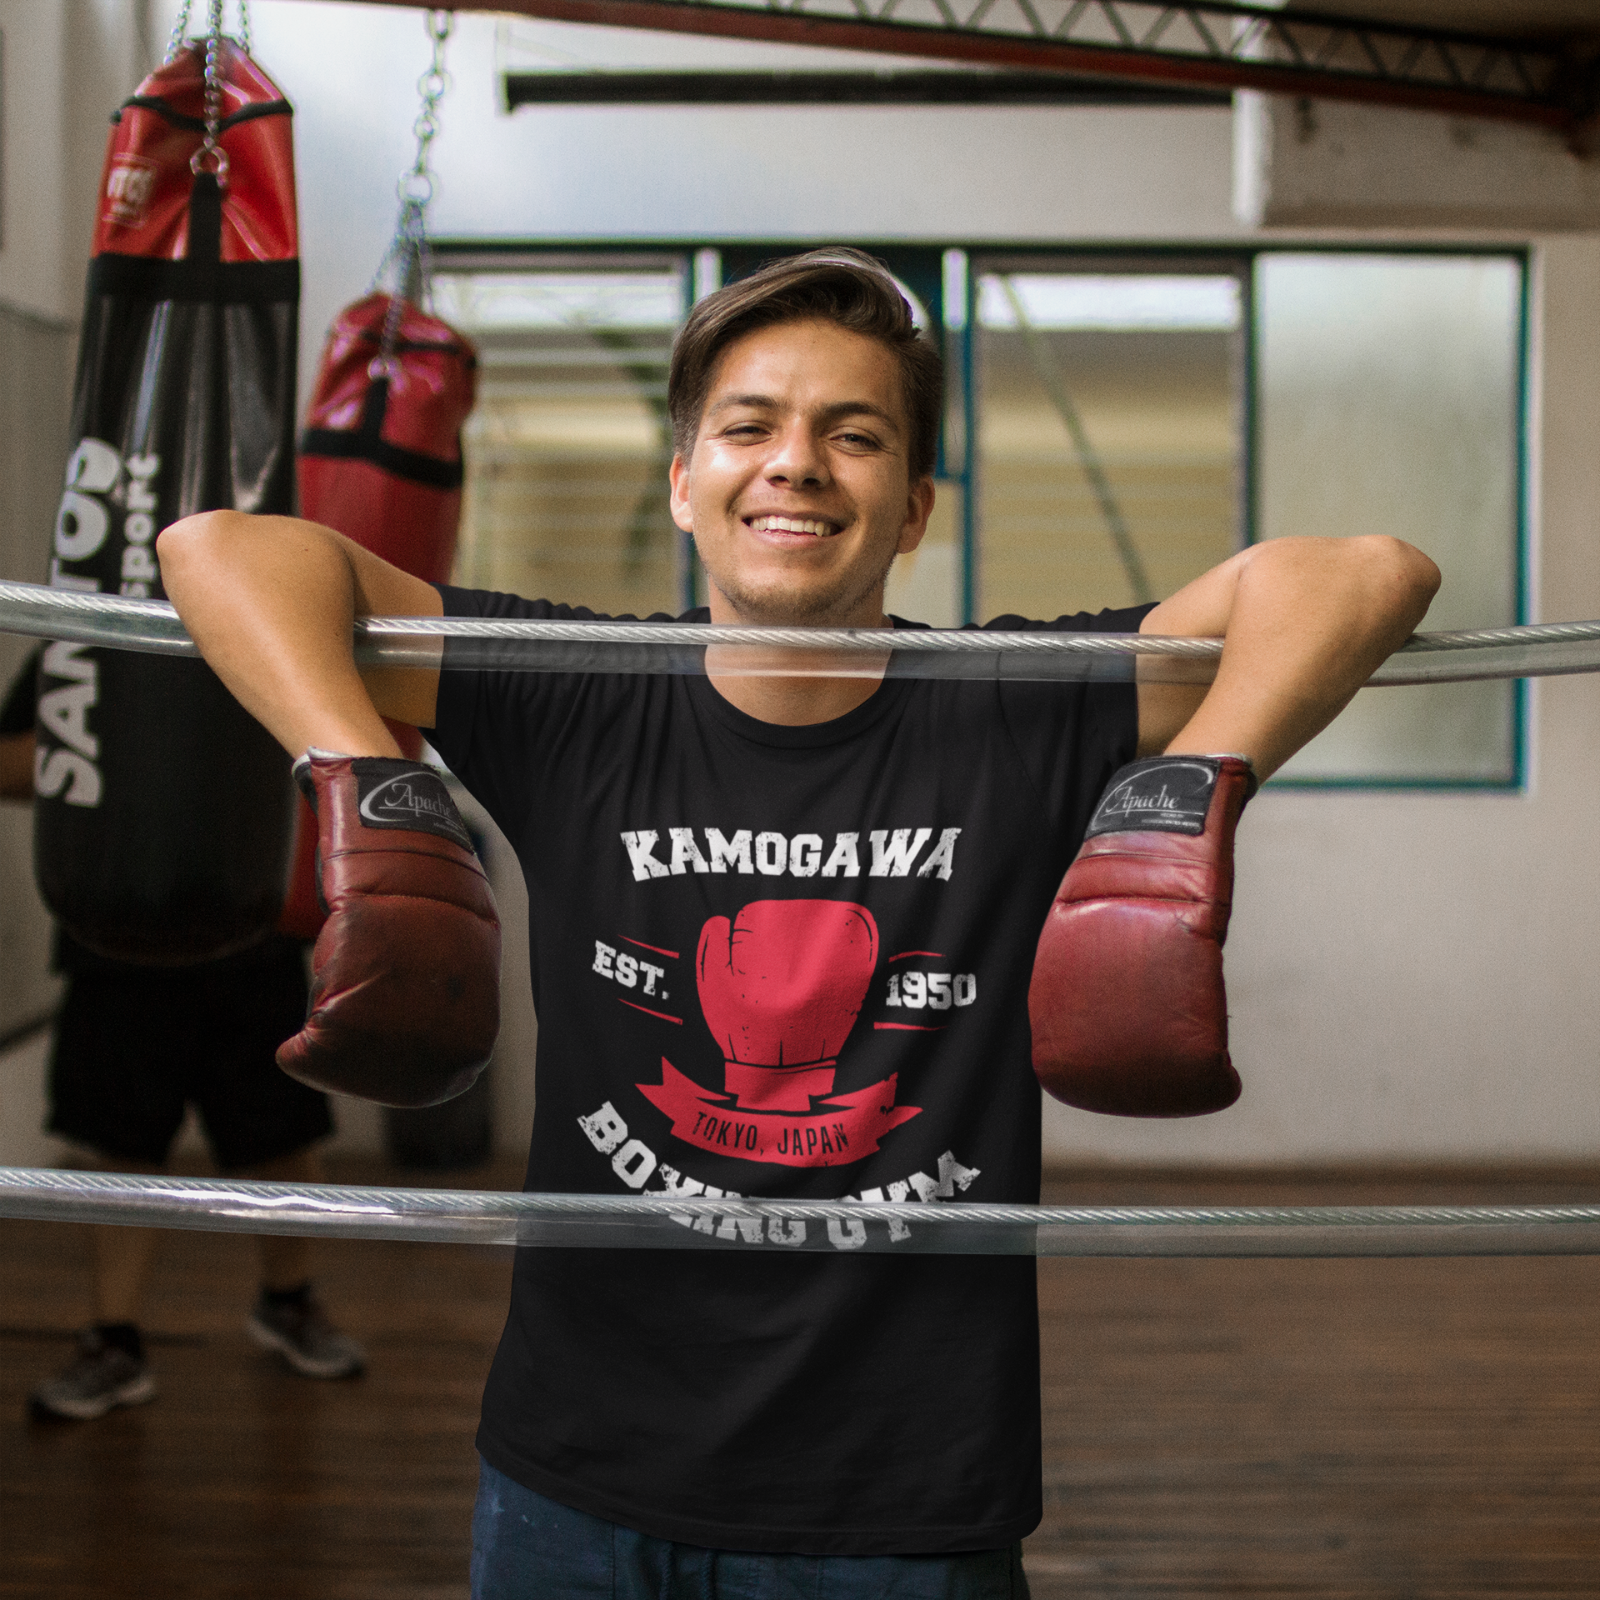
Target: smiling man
782,932
811,467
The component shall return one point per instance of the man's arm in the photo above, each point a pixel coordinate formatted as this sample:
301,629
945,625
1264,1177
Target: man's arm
1306,621
271,601
405,997
1127,1003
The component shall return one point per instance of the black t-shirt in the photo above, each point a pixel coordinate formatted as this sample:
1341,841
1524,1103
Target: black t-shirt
781,961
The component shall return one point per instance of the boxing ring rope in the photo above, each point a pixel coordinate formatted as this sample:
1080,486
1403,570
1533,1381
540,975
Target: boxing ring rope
654,1222
677,1222
152,626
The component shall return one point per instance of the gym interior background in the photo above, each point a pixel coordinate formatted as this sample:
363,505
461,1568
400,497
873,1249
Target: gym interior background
1417,984
1412,957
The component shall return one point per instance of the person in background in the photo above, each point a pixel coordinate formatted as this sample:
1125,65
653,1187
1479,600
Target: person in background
134,1047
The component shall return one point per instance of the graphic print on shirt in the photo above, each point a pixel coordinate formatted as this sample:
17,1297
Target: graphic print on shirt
781,985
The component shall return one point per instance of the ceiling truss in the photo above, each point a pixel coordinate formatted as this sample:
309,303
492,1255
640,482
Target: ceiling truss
1208,44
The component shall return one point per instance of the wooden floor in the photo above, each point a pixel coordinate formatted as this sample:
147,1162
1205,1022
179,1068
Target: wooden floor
1302,1428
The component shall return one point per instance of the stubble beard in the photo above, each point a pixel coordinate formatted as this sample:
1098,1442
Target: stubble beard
781,605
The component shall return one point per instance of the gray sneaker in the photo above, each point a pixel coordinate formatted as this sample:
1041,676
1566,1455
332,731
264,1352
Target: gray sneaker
304,1337
101,1378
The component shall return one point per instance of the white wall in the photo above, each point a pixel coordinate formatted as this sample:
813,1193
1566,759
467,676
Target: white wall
49,150
1319,163
68,64
606,172
1412,975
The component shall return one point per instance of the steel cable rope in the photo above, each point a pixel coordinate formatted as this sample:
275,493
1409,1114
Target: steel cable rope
1528,651
662,1221
669,1221
640,1221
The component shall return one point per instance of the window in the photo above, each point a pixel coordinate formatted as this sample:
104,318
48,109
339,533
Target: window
1138,420
1109,430
1117,424
568,446
1389,399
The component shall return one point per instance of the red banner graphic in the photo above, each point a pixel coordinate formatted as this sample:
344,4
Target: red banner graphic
843,1129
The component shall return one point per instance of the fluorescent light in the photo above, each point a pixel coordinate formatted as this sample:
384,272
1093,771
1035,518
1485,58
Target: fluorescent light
495,302
1120,302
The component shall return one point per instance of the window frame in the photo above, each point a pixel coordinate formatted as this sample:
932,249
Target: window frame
929,267
1522,255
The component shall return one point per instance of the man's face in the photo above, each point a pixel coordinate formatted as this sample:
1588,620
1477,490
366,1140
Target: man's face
797,490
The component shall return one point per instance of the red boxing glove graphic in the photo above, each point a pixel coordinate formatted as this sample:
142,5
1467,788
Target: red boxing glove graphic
781,987
1128,1009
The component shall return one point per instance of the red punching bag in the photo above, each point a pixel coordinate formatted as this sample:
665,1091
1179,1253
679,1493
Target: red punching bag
380,462
163,817
380,458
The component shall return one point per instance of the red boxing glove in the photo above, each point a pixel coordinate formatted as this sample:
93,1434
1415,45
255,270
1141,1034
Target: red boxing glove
781,987
1128,1009
405,997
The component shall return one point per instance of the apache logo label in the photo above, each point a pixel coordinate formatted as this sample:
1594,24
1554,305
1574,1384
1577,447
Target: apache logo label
1159,797
129,185
417,800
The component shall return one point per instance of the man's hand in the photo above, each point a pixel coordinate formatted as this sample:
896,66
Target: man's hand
1127,1003
405,1000
1305,624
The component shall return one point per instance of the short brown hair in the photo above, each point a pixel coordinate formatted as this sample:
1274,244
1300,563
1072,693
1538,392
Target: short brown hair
846,287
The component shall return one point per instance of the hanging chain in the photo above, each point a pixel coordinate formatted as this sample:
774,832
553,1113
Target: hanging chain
415,188
408,251
211,157
180,29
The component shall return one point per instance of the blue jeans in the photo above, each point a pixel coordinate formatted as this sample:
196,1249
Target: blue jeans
527,1547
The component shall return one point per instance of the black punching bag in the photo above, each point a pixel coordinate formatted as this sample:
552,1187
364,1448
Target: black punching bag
163,813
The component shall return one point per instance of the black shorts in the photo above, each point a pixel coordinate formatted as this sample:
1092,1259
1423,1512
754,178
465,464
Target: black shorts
135,1045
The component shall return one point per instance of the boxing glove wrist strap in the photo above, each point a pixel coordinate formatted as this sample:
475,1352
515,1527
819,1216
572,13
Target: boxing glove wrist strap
1166,794
392,792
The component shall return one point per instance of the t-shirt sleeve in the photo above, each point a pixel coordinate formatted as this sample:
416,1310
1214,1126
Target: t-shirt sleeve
1070,737
18,712
499,729
485,718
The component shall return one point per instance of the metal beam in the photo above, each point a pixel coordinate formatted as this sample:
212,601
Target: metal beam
939,86
1205,45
